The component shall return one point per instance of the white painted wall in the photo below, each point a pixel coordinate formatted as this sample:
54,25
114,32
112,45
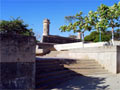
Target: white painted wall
116,42
68,46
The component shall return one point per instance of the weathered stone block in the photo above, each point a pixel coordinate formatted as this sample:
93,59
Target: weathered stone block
58,39
17,62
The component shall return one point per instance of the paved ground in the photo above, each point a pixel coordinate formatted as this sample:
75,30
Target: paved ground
94,82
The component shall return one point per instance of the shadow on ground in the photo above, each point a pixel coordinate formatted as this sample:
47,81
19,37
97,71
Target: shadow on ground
83,83
55,75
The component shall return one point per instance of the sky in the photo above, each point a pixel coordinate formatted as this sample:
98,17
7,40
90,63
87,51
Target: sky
33,12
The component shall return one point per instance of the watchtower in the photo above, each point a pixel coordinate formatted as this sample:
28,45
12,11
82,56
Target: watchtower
46,26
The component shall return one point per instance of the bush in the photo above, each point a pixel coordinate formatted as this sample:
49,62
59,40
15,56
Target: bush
94,36
15,26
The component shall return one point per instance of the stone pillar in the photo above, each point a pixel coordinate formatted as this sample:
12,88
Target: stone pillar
17,62
46,23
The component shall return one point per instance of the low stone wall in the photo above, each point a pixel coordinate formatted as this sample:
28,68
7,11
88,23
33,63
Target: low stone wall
116,42
118,59
108,56
45,45
44,48
77,45
58,39
17,62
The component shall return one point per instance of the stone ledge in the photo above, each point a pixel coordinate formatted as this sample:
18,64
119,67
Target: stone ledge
17,48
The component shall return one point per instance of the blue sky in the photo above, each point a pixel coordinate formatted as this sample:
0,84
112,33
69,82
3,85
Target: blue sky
33,12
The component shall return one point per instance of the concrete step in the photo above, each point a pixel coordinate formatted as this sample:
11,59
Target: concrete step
69,65
52,85
49,66
45,69
77,70
54,73
53,60
57,54
52,53
53,80
48,60
41,71
93,73
83,67
83,64
83,71
74,66
48,79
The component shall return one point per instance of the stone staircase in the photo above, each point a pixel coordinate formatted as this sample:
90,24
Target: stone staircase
59,54
53,71
87,67
50,72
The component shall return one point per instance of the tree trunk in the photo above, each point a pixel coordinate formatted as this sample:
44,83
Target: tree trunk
79,35
100,37
83,36
112,35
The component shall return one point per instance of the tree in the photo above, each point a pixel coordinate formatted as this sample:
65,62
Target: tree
106,17
117,34
98,19
76,26
94,36
106,36
77,23
15,26
113,17
101,20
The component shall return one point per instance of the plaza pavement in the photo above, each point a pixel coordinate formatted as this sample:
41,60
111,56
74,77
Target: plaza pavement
92,82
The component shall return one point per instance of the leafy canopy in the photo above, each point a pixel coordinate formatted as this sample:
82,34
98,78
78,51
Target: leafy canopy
106,17
77,23
15,26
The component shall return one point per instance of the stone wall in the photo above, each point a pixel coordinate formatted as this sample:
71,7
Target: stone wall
58,39
17,62
44,48
118,58
78,45
108,56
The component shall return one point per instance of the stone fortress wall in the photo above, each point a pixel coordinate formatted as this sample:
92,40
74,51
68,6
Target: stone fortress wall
58,39
47,38
17,62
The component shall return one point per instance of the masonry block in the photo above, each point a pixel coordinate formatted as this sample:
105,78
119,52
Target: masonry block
17,62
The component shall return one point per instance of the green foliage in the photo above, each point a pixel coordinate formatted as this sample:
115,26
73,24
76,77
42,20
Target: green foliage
77,23
117,34
111,15
105,36
15,26
92,36
105,17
